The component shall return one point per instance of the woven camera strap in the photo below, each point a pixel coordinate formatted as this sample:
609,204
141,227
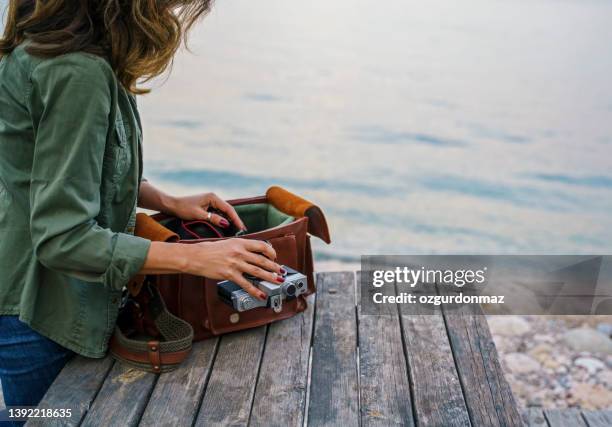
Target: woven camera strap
147,335
161,354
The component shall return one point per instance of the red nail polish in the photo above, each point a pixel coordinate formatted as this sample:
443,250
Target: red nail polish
283,271
280,279
224,223
262,296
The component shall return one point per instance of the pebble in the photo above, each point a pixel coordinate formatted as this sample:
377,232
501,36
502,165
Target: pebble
534,400
588,339
565,382
590,396
505,345
541,351
543,354
605,328
521,363
548,366
606,378
591,364
508,325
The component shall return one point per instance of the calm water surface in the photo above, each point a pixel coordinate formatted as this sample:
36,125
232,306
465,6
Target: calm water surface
438,127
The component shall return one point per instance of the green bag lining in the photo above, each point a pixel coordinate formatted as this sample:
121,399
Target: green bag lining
257,217
261,216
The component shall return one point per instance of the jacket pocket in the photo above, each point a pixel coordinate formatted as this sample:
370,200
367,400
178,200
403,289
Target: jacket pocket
115,171
121,152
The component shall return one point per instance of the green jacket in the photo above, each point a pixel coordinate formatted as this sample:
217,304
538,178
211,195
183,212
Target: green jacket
70,169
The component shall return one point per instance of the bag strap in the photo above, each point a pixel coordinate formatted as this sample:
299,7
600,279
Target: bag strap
187,227
155,355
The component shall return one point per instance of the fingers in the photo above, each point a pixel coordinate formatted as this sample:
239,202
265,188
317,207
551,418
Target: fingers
262,274
259,273
218,220
228,210
262,247
248,286
263,262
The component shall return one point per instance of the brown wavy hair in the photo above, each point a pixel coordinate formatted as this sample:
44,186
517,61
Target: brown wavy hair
138,37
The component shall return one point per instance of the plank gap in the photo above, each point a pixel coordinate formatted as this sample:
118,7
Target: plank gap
95,396
534,417
481,354
461,380
261,359
148,398
357,364
212,366
405,351
309,373
307,402
455,361
600,418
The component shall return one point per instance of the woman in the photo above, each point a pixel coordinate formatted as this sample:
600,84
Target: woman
70,181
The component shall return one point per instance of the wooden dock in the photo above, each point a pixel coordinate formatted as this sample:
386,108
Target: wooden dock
537,417
329,366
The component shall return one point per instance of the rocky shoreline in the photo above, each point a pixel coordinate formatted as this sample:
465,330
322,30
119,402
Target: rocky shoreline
556,361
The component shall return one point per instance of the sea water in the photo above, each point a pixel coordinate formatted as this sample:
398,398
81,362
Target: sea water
418,127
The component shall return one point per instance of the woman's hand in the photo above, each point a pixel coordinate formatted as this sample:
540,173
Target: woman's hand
226,259
190,207
196,207
232,258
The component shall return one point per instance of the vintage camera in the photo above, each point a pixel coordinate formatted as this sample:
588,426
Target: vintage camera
295,284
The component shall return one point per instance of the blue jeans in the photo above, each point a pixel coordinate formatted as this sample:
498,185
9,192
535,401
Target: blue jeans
29,362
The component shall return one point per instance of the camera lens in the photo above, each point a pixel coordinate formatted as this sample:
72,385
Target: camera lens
300,285
290,290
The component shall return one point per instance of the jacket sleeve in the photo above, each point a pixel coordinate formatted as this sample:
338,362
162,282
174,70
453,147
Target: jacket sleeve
70,101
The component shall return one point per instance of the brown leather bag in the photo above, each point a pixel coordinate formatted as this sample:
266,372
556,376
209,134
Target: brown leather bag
195,298
283,219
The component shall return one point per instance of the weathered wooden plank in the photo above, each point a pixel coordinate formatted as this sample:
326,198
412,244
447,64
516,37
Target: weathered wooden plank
334,392
122,399
384,383
534,417
229,394
598,418
280,395
564,418
487,393
75,388
177,394
436,389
